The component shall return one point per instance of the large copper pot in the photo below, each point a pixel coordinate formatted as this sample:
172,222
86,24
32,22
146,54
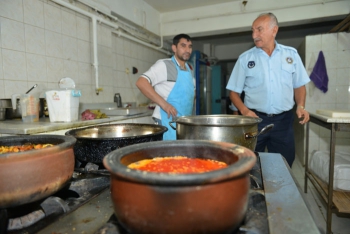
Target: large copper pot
31,175
212,202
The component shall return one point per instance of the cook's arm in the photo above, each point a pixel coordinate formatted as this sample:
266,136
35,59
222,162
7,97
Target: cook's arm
146,88
300,96
237,101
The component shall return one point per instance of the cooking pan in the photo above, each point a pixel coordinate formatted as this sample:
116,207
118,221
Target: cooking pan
213,202
93,143
241,130
31,175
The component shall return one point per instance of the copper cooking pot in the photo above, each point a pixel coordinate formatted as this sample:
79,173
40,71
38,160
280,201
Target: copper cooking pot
212,202
31,175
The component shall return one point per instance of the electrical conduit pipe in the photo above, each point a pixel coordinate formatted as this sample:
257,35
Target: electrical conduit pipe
94,19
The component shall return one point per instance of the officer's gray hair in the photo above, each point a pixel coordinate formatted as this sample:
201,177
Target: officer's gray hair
273,18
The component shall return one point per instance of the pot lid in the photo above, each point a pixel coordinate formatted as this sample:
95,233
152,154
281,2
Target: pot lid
66,83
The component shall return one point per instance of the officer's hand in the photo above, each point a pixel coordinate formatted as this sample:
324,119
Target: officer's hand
303,115
248,112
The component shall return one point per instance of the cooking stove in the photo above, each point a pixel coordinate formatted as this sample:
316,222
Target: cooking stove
84,205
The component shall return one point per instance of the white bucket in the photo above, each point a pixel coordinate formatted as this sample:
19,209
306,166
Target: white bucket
63,105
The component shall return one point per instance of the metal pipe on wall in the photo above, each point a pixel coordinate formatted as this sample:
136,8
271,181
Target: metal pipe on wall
94,42
94,19
120,33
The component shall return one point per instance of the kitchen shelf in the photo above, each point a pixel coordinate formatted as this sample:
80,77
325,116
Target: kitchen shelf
341,199
337,201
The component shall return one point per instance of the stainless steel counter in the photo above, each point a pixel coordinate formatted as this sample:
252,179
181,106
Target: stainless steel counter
328,119
287,212
17,126
286,208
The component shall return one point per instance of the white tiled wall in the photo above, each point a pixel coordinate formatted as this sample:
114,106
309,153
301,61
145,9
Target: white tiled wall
42,42
336,50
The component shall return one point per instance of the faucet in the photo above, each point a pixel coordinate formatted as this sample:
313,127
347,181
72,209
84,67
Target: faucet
118,99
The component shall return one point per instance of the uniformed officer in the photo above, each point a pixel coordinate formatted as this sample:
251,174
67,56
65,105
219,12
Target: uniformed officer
273,79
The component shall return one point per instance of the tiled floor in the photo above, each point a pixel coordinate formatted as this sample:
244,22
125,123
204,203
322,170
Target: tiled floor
317,207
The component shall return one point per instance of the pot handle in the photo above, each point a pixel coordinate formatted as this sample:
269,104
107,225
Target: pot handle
170,123
263,131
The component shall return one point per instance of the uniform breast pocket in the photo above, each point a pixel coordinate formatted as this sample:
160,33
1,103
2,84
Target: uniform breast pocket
253,80
287,74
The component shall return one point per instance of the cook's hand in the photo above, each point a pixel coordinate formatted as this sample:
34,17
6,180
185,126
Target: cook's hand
248,112
170,110
302,113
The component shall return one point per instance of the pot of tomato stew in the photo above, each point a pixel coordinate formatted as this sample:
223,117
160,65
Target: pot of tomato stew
33,167
214,201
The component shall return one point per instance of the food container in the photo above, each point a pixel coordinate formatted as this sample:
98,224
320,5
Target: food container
237,129
211,202
29,104
17,112
63,105
31,175
93,143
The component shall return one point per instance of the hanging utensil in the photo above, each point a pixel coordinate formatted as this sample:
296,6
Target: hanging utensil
31,88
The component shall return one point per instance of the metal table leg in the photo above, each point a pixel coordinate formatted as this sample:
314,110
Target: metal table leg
330,182
306,156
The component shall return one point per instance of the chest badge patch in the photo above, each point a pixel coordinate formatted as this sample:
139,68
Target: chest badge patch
289,60
251,64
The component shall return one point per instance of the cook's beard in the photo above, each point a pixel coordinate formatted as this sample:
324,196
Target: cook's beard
184,58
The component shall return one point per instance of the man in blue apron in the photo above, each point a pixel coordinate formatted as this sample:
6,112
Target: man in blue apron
169,83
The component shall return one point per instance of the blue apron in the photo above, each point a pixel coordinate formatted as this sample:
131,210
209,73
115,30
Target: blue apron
181,98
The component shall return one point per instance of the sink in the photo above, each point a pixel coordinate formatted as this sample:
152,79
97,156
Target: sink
124,111
96,106
111,109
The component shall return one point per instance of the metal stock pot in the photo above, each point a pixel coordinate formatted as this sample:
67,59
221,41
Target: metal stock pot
93,143
237,129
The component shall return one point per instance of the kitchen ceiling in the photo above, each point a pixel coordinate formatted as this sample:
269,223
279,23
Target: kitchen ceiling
290,33
171,5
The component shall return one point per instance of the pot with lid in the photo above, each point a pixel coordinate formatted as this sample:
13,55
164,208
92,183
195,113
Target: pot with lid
237,129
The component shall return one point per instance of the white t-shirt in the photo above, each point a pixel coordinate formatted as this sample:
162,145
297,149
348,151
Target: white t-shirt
162,76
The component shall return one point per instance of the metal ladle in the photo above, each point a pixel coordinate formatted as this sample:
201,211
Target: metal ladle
31,88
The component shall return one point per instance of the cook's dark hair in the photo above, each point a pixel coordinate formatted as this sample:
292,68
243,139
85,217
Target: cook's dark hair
273,18
178,37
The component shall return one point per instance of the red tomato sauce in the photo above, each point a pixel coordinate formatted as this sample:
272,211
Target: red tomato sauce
177,164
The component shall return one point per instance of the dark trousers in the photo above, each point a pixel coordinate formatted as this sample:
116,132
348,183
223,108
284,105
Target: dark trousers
280,139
